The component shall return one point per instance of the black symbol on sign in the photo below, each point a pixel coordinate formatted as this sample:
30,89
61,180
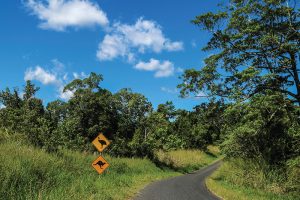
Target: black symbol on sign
102,142
100,163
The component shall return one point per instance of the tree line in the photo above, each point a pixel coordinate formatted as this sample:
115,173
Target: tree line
127,118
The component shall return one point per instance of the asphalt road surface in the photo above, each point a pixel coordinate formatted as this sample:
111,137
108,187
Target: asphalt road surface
185,187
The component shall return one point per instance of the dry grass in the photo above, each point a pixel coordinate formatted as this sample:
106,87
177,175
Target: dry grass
188,160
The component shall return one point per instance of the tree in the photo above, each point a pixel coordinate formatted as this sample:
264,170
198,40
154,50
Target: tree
264,129
255,45
209,115
132,110
29,90
152,135
11,115
167,109
26,115
89,112
57,111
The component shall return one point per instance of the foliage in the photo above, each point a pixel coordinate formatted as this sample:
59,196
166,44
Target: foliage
127,118
132,110
24,115
255,47
242,179
264,129
31,173
254,68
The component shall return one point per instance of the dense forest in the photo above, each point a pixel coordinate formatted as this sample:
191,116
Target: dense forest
126,118
252,85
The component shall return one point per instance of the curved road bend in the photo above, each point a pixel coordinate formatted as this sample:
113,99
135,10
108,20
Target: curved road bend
184,187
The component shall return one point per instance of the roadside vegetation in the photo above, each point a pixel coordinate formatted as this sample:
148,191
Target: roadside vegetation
188,160
253,66
28,172
46,152
251,84
31,173
240,180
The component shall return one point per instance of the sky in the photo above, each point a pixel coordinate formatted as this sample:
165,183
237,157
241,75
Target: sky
144,45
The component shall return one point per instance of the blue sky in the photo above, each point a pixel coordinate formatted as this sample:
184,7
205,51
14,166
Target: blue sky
138,44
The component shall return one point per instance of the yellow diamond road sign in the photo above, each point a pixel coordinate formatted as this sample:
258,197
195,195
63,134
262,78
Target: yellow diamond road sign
100,164
100,142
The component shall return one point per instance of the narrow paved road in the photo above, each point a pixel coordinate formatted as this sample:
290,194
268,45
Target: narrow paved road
185,187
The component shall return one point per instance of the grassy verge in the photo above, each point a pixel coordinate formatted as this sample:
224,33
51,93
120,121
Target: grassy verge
29,173
188,160
233,183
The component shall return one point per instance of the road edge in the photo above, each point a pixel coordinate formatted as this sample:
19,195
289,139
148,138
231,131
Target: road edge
205,181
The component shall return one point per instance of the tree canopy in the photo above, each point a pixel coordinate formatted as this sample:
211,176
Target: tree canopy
255,46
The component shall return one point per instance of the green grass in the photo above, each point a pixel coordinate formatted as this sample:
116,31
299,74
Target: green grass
188,160
232,182
30,173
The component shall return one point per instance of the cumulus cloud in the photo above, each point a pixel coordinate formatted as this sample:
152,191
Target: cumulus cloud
65,95
162,69
126,40
61,14
56,76
111,47
41,75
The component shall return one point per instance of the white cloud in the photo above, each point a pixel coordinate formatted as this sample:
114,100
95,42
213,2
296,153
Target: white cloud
57,64
127,40
65,95
200,95
56,77
162,69
2,106
111,47
81,75
173,46
169,90
61,14
41,75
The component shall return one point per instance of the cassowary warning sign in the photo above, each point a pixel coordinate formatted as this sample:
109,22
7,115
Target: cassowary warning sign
100,142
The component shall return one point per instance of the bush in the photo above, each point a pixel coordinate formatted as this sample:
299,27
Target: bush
262,129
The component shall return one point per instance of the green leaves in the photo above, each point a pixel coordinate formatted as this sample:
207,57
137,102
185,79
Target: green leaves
91,82
209,20
258,36
262,129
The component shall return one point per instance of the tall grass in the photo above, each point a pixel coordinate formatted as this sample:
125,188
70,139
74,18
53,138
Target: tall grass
29,173
240,179
188,160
